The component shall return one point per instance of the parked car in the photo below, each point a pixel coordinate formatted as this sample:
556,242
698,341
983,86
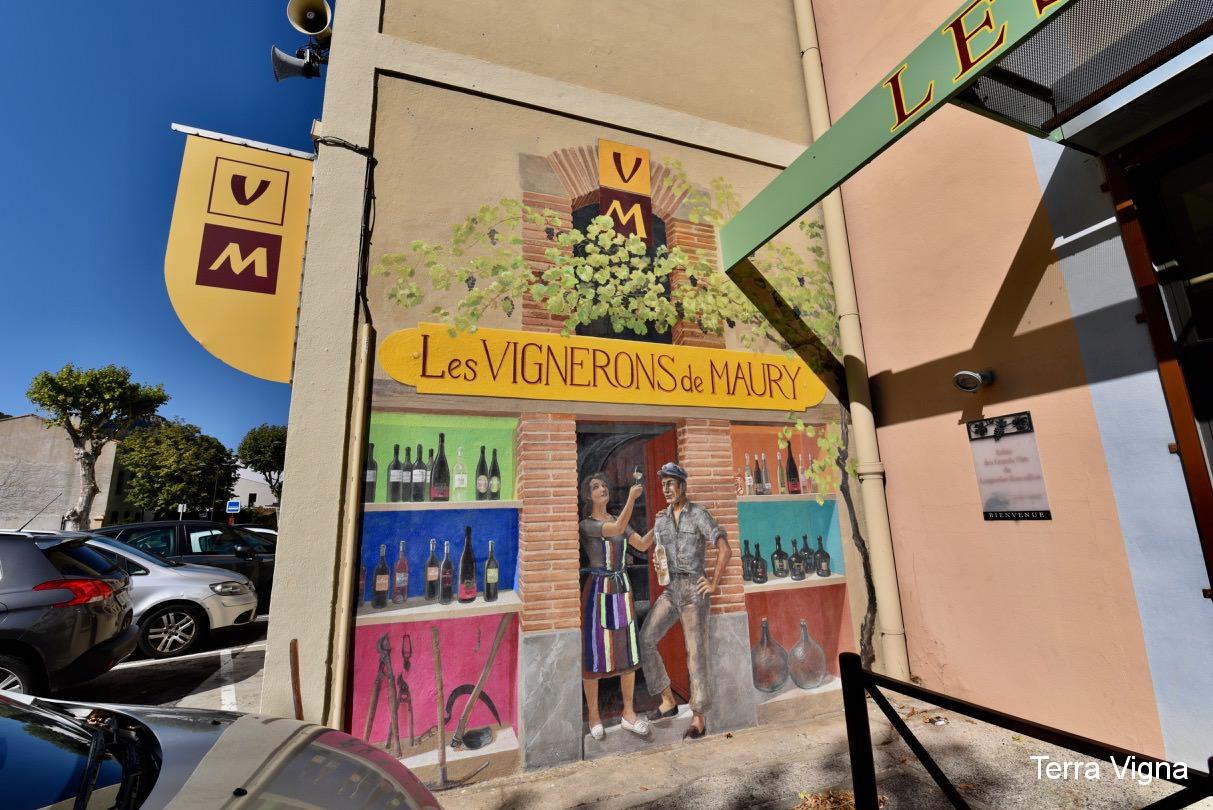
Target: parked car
204,542
152,757
264,531
177,604
65,612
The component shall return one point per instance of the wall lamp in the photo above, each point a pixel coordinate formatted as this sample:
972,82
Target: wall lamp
972,381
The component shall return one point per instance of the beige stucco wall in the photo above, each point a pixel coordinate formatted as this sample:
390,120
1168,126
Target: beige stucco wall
733,61
424,198
36,464
954,269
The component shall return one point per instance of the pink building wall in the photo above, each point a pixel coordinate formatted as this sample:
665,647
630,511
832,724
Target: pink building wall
954,268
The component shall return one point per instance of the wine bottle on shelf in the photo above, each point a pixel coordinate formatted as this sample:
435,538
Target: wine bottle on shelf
821,559
460,488
494,479
370,476
793,475
766,476
810,561
796,563
779,559
492,576
746,564
758,566
780,473
394,477
757,476
440,475
429,475
432,567
482,477
383,582
362,585
467,568
419,476
804,475
739,482
446,575
768,662
749,476
400,576
406,477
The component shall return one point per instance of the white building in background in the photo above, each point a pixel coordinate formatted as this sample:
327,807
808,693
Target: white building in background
252,490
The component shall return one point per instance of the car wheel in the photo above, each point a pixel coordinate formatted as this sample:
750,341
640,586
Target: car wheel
16,675
171,630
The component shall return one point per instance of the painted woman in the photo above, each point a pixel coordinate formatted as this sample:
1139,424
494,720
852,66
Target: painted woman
608,616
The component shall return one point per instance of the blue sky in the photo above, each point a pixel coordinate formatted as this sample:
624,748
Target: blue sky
91,166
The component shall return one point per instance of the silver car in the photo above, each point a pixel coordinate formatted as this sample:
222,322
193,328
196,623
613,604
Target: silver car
177,604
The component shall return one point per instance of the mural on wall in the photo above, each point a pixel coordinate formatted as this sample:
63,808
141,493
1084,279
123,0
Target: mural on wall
596,283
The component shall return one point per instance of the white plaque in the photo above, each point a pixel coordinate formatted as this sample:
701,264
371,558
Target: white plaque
1009,477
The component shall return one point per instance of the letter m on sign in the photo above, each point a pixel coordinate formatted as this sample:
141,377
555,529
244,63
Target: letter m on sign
239,259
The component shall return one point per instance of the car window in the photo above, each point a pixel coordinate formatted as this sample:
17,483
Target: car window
125,563
74,559
259,542
158,541
213,540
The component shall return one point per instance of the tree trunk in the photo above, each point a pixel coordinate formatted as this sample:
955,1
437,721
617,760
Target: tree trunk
78,518
867,629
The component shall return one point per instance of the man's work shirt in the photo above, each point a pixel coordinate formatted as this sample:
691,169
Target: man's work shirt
687,538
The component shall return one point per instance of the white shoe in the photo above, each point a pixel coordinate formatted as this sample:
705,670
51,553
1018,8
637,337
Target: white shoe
597,731
640,727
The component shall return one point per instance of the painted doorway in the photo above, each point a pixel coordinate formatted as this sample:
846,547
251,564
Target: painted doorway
616,449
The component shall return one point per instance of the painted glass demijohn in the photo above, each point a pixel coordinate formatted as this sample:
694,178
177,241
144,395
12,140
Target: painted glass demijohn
769,662
807,661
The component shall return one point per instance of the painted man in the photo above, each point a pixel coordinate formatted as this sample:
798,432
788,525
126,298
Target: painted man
684,530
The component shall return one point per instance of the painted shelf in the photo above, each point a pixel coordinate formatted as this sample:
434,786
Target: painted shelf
787,583
504,739
811,496
424,506
416,609
791,691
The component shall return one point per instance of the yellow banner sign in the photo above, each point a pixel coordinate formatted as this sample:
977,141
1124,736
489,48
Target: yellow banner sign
235,252
529,365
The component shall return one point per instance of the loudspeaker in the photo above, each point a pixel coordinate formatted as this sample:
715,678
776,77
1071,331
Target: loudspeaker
311,17
306,64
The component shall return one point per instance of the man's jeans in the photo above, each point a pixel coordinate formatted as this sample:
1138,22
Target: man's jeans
680,601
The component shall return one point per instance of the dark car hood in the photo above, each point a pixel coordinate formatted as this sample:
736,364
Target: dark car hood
214,759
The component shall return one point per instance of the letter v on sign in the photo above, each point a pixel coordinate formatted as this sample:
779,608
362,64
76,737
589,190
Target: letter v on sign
974,38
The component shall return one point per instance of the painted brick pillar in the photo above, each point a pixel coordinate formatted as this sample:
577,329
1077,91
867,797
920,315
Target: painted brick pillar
549,657
546,449
705,452
695,238
535,243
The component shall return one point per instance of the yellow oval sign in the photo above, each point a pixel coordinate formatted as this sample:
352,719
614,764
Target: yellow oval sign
529,365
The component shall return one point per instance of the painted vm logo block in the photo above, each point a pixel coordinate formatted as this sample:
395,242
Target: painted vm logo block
248,191
237,259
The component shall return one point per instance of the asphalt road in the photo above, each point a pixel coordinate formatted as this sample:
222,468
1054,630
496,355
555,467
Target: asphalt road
226,676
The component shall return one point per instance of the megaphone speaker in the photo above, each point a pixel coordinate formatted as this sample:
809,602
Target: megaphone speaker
290,67
311,17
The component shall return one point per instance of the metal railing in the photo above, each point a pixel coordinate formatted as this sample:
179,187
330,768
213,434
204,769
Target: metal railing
859,683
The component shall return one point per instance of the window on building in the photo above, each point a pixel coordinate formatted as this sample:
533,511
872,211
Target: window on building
252,499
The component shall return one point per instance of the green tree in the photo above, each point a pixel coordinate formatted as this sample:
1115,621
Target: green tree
174,463
263,449
94,406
